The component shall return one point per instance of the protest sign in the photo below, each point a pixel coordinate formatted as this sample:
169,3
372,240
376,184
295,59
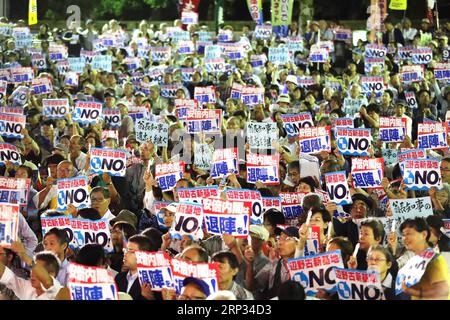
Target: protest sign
182,105
390,156
411,99
167,174
196,195
107,134
188,220
84,231
358,285
367,172
86,112
314,139
442,74
91,283
411,73
77,64
254,196
316,272
203,120
9,224
156,132
109,161
372,84
354,142
261,135
337,188
21,74
226,216
279,55
71,79
293,122
318,55
160,54
423,55
154,268
257,60
421,174
352,106
208,272
271,202
185,47
14,190
11,125
403,209
291,203
9,152
203,156
413,270
411,154
342,123
41,86
392,129
224,162
371,63
213,51
3,87
233,50
312,244
215,65
432,135
38,61
263,31
264,168
73,191
251,96
102,62
404,53
375,51
305,81
170,91
112,117
205,95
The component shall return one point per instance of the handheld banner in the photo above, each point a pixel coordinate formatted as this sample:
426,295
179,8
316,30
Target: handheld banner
205,94
316,272
271,202
411,154
413,270
208,272
225,216
293,122
41,86
375,51
182,105
411,99
87,112
11,125
91,283
392,129
109,161
203,120
251,96
312,244
358,285
264,168
291,203
432,135
9,224
413,73
203,156
73,191
367,172
155,132
56,108
160,54
354,142
421,174
423,55
403,209
254,196
167,174
337,188
112,117
372,84
9,152
14,190
261,135
224,162
154,268
21,74
279,55
188,220
314,139
84,231
196,195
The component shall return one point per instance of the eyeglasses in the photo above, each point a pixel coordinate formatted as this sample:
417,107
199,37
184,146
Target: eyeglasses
375,260
95,200
126,250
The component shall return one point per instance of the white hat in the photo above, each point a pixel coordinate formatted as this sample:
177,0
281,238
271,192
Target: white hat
292,78
284,98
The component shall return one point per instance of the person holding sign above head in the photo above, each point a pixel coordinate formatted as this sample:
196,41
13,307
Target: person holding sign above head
320,217
435,282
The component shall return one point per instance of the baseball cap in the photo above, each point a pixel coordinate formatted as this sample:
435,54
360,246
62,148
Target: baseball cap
258,231
171,207
359,196
200,283
401,102
125,216
139,93
290,231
